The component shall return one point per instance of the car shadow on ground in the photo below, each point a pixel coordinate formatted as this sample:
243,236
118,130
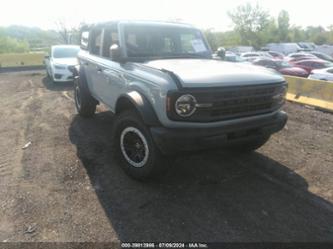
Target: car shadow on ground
57,86
208,196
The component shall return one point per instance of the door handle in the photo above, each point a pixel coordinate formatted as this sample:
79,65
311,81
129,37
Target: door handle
99,70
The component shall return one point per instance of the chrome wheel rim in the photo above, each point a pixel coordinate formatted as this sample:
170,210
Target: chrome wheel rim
134,147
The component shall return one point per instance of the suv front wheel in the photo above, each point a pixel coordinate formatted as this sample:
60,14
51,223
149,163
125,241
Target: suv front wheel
85,104
134,148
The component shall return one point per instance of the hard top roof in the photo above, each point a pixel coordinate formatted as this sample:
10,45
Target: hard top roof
144,22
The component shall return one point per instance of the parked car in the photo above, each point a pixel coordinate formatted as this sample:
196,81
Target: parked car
322,56
301,58
299,55
322,74
307,46
285,48
312,64
60,62
282,66
326,49
276,55
232,57
250,56
171,99
241,49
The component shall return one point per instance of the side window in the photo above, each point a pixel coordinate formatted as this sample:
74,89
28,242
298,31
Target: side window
110,37
186,43
270,63
261,63
317,65
330,70
96,41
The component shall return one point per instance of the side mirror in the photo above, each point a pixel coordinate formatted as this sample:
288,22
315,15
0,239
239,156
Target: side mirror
84,40
221,52
115,53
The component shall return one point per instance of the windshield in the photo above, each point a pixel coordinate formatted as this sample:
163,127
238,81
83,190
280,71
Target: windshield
325,56
65,52
151,41
328,64
282,64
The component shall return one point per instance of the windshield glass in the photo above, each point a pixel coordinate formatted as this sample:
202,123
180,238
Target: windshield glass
282,64
153,41
328,64
65,52
324,56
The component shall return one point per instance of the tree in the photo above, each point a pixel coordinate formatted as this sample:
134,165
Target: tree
316,34
12,45
69,34
283,26
211,38
297,34
249,21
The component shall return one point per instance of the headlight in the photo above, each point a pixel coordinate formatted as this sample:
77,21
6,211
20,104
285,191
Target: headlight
280,96
185,105
59,67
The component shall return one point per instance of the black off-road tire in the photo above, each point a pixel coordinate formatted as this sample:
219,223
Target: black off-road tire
47,74
85,104
129,125
50,78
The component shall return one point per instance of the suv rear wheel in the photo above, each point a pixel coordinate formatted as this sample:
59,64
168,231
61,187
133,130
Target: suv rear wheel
134,148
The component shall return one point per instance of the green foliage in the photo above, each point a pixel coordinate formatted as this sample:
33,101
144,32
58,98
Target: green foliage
250,21
283,26
21,39
9,45
254,26
211,38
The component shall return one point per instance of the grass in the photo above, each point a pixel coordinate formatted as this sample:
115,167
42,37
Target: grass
23,59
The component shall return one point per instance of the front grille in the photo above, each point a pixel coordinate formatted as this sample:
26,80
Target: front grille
234,102
57,76
244,101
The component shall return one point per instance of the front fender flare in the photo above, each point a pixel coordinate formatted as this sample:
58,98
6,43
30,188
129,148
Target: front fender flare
142,105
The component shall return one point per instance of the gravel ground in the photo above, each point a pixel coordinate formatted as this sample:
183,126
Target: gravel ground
66,187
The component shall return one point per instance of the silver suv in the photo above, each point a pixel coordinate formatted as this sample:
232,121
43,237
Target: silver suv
169,96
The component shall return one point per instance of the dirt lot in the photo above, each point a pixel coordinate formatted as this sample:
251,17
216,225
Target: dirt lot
66,187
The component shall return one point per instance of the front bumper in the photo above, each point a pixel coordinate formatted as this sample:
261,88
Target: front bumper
173,140
62,75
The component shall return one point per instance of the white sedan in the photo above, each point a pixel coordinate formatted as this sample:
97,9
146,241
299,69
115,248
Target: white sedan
322,74
60,61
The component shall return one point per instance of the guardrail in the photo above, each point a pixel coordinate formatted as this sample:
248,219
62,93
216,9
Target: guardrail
317,93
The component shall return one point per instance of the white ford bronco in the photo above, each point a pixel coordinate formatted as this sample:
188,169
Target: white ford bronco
169,96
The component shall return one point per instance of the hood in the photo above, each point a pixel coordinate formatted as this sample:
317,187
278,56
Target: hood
66,61
208,72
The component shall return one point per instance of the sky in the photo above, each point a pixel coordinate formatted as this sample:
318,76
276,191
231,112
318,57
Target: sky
201,13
